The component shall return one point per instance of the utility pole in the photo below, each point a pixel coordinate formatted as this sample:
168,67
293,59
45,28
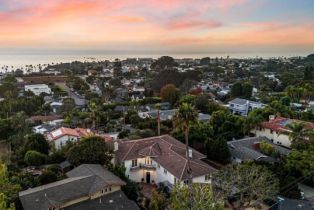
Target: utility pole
189,169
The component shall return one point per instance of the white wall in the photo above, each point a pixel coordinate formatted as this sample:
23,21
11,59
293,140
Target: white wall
281,139
60,142
201,179
38,89
157,175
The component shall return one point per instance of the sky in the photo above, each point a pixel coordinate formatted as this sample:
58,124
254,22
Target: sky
158,25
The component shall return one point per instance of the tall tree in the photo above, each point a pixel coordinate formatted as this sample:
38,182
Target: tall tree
92,150
236,89
217,149
170,93
247,90
185,116
92,106
37,142
158,201
299,133
117,68
309,73
251,183
9,189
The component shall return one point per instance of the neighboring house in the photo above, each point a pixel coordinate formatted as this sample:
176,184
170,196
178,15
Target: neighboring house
164,114
242,106
88,186
61,136
249,149
38,89
160,159
50,119
307,192
44,128
168,115
55,106
277,130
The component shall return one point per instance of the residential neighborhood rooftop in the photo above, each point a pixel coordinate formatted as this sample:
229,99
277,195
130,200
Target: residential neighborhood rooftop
82,181
166,151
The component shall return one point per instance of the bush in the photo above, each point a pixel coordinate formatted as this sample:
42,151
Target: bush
268,149
34,158
47,177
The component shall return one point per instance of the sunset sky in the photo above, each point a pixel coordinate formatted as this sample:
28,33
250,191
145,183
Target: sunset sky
158,25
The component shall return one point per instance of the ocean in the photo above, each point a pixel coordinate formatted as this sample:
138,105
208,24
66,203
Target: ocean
12,60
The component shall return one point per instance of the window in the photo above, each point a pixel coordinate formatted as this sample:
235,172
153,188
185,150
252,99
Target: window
186,181
52,208
134,163
102,191
109,189
207,177
165,171
158,166
271,131
106,189
175,180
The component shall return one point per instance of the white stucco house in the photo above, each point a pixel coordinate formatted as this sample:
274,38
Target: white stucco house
61,136
243,107
160,159
277,130
38,89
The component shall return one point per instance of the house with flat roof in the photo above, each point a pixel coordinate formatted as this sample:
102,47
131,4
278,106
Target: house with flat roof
161,159
88,186
242,106
38,89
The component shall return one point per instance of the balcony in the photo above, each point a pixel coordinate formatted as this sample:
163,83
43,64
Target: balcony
143,166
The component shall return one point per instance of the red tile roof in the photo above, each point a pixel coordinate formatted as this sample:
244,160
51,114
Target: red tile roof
280,123
76,132
63,131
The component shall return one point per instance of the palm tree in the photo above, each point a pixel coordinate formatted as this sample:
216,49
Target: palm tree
185,116
299,131
93,108
253,121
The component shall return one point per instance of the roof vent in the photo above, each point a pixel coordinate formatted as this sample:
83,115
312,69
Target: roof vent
110,201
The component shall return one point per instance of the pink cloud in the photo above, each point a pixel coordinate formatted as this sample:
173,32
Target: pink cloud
186,24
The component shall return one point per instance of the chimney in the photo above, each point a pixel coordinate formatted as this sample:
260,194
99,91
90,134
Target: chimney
115,146
190,153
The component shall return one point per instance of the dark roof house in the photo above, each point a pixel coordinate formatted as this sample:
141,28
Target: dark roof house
249,149
168,152
84,185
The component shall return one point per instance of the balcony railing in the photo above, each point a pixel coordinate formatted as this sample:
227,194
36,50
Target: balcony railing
143,166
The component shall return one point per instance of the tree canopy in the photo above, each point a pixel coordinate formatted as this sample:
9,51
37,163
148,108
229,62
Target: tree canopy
37,142
170,93
251,184
93,150
203,198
